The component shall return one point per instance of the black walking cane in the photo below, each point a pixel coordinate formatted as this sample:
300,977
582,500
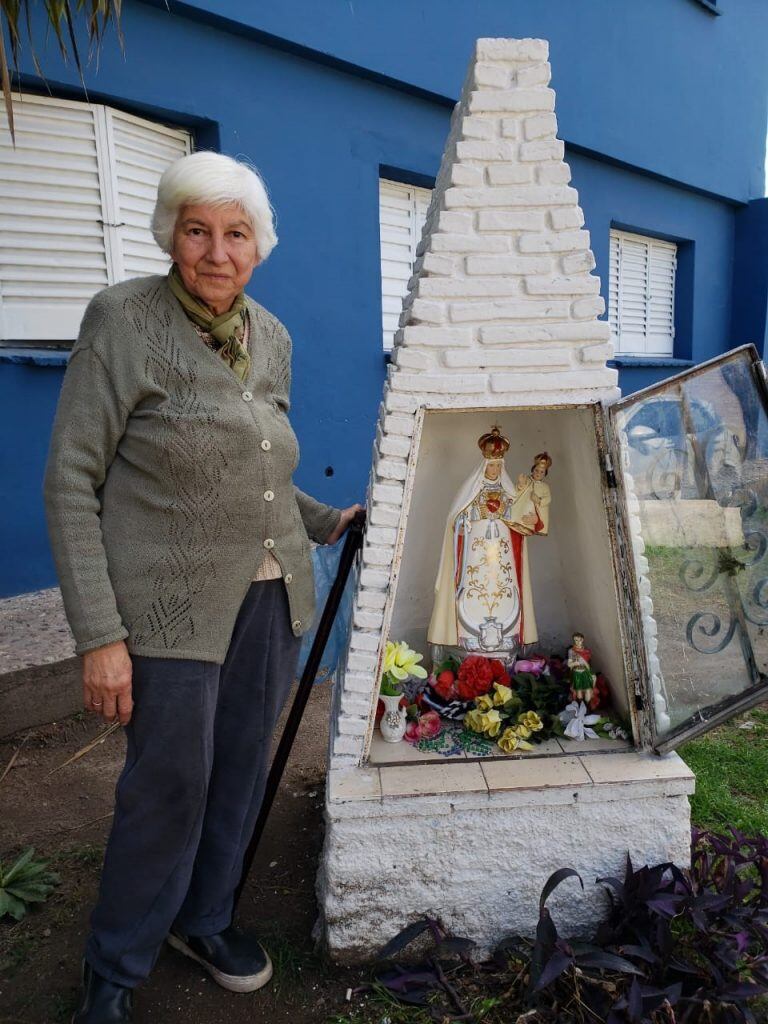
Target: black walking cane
352,543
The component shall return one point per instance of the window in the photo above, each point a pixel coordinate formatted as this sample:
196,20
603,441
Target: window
641,294
76,198
402,212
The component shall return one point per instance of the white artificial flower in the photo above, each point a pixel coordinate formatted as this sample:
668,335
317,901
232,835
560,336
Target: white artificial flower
577,721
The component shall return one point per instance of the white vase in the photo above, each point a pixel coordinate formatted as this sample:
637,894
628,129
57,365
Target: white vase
392,722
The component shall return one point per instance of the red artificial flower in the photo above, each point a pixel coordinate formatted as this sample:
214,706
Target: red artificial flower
600,693
497,668
503,679
475,677
445,685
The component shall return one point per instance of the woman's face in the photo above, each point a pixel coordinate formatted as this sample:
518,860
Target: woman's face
492,470
214,248
539,471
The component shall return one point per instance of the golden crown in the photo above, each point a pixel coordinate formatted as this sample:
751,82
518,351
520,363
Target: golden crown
493,445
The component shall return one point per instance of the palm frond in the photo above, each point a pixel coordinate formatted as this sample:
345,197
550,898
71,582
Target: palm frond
63,18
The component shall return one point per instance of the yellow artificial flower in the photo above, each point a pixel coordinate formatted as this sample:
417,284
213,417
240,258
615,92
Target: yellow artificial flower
502,694
531,721
484,703
401,662
473,720
491,722
511,740
522,731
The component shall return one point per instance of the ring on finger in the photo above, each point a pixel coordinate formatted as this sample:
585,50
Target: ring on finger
96,703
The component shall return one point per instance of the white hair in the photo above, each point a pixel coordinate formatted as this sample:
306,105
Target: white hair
212,179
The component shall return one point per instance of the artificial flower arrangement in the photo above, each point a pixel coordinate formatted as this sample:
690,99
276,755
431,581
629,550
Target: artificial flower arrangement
400,663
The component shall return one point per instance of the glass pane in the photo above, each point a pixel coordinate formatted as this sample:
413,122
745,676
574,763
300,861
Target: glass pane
694,455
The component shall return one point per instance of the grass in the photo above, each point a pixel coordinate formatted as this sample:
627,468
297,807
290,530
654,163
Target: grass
731,766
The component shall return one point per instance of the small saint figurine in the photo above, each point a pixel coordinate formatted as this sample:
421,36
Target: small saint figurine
483,599
582,676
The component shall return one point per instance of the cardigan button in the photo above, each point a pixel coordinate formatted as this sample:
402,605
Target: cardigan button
269,543
247,396
266,445
296,624
289,577
269,495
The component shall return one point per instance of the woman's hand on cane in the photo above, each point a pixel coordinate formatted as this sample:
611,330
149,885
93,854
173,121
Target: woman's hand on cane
347,515
107,682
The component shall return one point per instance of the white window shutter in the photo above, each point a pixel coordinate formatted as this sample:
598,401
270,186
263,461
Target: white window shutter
402,212
52,250
76,199
641,294
140,152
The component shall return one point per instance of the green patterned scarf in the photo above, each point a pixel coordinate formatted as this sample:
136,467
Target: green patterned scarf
227,330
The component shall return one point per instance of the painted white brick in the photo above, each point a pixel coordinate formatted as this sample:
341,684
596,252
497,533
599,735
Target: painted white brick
444,336
597,353
354,705
388,494
360,663
511,100
578,261
583,308
486,150
519,309
371,598
554,241
367,619
363,641
442,384
525,195
348,745
465,288
395,445
467,174
566,217
553,174
511,358
509,335
516,220
431,263
390,469
478,128
374,578
455,221
468,243
493,76
395,424
529,50
395,402
359,682
536,74
508,174
510,127
542,149
583,284
383,515
540,126
430,312
412,358
508,264
591,378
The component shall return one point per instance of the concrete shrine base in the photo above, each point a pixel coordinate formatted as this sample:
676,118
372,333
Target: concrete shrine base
473,843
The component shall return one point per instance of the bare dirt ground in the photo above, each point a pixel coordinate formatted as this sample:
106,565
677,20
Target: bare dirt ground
65,815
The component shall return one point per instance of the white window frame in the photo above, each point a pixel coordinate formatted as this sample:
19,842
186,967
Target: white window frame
124,168
641,294
402,212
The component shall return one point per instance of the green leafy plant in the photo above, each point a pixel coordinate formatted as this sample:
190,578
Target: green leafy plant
24,882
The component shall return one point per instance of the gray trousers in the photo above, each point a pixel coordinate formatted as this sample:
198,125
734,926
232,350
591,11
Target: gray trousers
187,799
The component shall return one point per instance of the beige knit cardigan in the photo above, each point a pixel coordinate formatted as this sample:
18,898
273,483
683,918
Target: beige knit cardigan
168,479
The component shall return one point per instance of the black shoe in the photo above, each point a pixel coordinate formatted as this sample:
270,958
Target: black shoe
235,961
103,1001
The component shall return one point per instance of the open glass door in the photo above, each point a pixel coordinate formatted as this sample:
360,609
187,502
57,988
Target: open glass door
693,454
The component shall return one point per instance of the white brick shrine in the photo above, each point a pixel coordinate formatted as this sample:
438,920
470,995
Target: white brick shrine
499,325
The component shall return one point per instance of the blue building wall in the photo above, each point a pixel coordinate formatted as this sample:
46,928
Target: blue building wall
665,135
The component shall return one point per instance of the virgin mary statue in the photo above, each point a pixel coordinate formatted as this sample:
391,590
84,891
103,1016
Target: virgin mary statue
483,599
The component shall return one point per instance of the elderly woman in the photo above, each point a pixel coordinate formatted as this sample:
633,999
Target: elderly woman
183,551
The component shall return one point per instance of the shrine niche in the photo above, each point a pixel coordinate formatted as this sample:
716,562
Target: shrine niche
560,585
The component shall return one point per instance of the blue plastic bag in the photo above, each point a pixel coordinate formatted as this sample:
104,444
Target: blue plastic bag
325,559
